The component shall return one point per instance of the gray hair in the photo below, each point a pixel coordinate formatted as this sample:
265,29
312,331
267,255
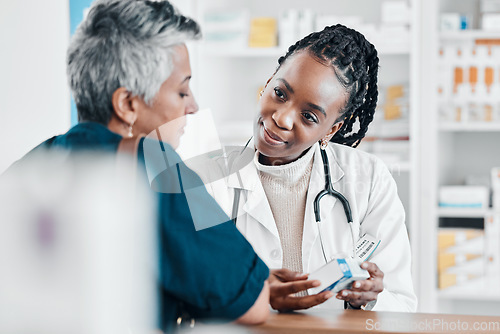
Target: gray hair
124,43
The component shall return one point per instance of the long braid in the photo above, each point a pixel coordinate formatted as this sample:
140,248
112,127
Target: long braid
355,63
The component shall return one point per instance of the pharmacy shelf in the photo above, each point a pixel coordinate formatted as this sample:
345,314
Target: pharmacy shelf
224,51
274,52
480,289
469,127
464,35
463,212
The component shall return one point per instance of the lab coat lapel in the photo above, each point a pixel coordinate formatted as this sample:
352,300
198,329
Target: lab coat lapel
317,184
254,197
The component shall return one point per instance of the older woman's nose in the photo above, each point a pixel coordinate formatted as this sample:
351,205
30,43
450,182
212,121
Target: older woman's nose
191,105
284,118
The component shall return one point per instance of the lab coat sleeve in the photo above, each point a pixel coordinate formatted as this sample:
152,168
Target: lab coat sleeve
385,219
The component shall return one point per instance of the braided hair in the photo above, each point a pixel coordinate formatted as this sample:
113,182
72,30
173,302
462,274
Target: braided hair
355,63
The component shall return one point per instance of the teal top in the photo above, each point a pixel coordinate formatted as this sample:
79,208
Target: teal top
207,270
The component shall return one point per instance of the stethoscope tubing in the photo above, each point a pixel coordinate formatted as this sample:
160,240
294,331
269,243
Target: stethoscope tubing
317,210
330,191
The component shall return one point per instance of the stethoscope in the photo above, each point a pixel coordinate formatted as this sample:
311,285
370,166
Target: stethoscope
345,203
317,212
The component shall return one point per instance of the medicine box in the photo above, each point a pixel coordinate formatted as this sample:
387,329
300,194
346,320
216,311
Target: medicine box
337,275
464,197
452,239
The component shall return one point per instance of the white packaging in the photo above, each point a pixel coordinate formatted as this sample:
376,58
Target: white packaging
476,197
288,28
395,12
450,21
491,21
474,267
472,246
495,186
306,22
337,275
394,34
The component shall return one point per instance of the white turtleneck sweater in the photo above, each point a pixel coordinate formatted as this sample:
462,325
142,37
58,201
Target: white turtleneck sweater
286,190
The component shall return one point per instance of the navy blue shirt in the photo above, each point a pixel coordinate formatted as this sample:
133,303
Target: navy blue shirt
209,273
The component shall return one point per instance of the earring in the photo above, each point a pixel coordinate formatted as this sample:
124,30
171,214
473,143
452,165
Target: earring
324,144
130,133
261,92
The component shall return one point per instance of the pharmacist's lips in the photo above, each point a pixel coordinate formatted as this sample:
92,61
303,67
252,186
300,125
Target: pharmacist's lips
272,134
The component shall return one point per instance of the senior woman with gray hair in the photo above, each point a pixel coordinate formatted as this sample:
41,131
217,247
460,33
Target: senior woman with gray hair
128,69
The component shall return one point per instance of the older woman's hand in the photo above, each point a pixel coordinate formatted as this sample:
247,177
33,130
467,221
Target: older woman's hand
285,283
363,292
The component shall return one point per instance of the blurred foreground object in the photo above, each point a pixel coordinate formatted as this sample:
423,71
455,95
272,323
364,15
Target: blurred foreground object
77,247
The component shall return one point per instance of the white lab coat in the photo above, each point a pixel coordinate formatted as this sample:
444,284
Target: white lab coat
376,209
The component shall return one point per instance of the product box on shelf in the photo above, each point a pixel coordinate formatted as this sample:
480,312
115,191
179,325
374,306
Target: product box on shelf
460,239
226,28
460,256
476,197
263,32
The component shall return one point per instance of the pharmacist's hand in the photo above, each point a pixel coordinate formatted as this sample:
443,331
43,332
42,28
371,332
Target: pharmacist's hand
285,283
363,292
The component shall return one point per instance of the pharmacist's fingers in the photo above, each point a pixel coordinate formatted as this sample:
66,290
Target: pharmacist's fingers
375,285
372,269
357,299
288,288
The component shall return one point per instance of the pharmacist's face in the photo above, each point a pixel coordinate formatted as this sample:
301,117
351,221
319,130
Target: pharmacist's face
299,107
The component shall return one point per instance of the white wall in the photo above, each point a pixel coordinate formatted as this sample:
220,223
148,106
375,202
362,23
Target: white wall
34,97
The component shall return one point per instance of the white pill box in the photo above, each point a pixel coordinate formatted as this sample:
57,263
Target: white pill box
337,275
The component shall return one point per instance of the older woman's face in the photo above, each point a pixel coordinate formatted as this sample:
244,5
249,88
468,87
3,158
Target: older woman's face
172,104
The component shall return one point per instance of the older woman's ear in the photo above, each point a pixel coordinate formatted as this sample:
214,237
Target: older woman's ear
126,111
124,106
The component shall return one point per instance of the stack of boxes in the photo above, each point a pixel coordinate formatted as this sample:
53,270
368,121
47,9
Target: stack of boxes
263,32
226,28
396,102
235,28
460,256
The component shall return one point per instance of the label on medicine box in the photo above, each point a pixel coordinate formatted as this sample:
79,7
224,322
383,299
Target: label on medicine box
337,275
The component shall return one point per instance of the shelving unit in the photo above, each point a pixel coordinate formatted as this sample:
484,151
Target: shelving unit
275,52
450,151
467,35
469,127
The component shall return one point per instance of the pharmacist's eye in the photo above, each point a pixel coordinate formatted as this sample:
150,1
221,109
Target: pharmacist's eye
310,117
279,93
